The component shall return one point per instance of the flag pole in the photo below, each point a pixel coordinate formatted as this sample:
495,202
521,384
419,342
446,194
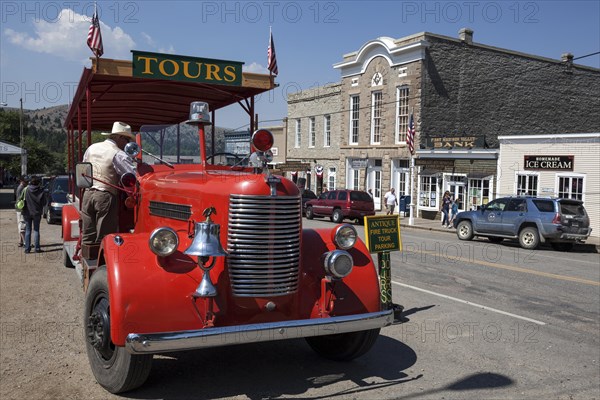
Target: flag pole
270,50
411,217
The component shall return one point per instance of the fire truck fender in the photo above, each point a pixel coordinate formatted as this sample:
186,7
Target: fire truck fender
69,214
143,296
356,293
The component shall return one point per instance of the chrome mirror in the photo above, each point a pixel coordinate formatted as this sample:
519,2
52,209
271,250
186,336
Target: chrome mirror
84,175
132,149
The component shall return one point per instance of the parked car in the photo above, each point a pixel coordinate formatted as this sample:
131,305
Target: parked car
56,198
306,196
341,204
530,220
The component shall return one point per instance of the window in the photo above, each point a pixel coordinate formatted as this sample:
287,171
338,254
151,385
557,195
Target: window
343,195
298,134
376,100
527,185
479,192
311,132
355,179
519,205
428,192
354,114
401,114
544,205
496,205
327,131
570,187
331,178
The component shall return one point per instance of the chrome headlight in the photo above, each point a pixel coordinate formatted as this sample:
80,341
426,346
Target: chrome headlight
338,263
344,236
163,241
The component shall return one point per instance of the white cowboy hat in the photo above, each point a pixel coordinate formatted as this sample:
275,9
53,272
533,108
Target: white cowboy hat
120,128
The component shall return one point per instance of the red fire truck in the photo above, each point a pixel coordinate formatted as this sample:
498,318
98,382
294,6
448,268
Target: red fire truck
206,254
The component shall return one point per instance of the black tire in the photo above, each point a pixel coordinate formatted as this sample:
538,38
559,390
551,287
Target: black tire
309,213
67,260
343,346
48,217
337,216
529,238
464,230
494,239
562,246
115,369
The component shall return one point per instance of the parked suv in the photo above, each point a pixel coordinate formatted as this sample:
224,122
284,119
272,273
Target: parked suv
531,220
340,204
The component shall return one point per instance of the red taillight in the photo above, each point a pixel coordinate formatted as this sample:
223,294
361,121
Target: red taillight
556,219
262,140
128,180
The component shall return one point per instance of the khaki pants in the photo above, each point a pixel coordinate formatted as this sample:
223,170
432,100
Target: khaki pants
99,215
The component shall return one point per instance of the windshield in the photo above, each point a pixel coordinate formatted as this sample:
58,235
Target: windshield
60,185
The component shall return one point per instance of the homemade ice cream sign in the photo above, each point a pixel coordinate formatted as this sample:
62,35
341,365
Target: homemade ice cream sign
186,69
383,233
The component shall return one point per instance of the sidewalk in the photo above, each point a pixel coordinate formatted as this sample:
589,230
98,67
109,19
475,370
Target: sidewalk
436,225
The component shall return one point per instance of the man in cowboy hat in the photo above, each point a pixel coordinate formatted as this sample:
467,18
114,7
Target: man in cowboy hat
99,211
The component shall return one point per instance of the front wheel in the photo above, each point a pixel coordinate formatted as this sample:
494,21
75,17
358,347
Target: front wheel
343,346
529,238
337,216
309,212
464,230
48,217
114,368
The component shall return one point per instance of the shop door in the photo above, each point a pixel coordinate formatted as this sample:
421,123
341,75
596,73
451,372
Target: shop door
458,190
375,185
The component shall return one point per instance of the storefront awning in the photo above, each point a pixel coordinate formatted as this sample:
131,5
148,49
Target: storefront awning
479,175
430,172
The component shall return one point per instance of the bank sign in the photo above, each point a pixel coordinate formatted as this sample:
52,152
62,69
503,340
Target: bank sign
186,69
550,163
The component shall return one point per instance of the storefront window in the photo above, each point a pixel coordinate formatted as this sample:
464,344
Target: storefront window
527,185
331,181
570,187
479,192
428,193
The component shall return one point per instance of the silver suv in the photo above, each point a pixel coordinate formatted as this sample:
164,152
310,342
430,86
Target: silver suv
531,220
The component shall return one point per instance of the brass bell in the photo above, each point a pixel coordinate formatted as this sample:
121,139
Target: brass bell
206,241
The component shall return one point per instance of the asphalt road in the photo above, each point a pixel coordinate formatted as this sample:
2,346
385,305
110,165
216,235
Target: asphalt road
482,321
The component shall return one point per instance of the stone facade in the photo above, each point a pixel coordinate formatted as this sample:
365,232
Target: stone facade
462,96
317,109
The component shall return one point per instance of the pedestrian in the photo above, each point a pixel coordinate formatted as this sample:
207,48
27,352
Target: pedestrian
390,201
370,191
35,200
20,220
446,201
99,211
454,211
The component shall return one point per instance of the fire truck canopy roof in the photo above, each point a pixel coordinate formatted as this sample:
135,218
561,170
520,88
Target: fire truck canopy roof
115,95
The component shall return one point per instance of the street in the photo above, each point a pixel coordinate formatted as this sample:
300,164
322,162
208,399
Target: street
481,321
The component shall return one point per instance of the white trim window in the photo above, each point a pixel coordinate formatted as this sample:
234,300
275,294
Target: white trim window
480,191
312,135
327,131
570,186
331,178
354,118
298,141
355,179
526,184
428,192
376,111
401,114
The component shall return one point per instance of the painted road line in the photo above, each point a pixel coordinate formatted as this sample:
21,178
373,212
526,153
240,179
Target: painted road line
535,321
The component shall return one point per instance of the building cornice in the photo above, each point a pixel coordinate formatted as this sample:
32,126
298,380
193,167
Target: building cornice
481,154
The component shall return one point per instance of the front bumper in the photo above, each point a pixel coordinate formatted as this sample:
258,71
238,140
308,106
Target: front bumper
152,343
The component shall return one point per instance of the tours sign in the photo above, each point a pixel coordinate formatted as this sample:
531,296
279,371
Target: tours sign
383,233
186,69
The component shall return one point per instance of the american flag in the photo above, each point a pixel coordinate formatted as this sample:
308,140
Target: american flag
94,39
271,58
410,135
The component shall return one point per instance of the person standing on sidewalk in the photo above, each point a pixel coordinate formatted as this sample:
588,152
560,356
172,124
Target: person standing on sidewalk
32,213
20,220
390,201
446,201
453,212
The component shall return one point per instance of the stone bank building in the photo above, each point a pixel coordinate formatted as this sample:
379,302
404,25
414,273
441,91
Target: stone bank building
462,96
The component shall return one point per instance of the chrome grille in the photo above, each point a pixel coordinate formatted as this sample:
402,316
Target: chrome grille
170,210
263,242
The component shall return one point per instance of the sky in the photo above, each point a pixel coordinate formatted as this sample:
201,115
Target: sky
43,43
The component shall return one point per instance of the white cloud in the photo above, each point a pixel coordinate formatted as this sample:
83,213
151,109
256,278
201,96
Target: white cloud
66,38
155,46
256,68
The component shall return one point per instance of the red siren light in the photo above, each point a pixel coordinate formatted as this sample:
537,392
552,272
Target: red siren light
262,140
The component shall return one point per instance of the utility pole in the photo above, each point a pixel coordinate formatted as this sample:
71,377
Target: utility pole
23,153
